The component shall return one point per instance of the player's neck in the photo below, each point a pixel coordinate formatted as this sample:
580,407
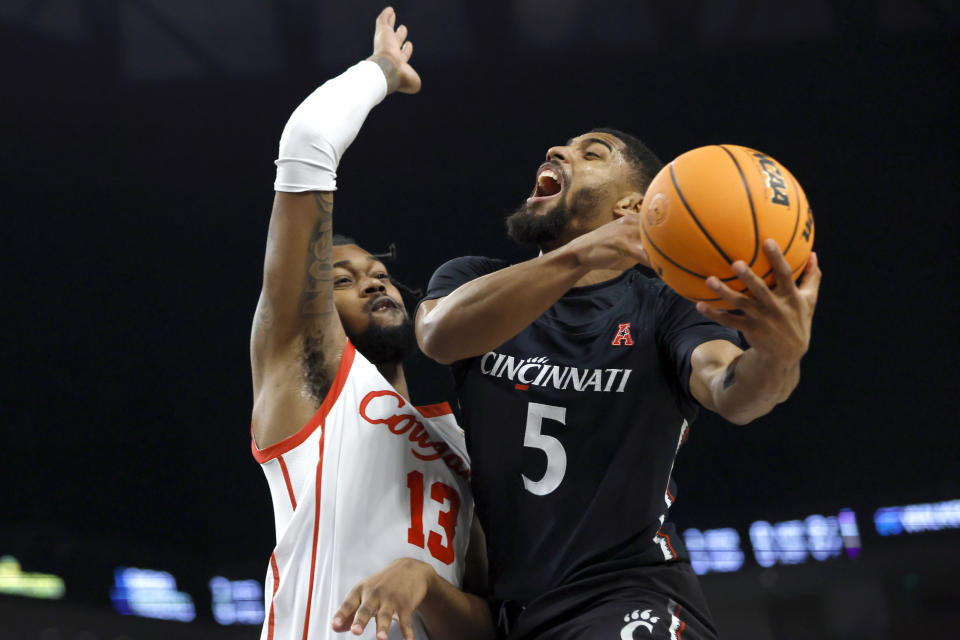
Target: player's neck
393,372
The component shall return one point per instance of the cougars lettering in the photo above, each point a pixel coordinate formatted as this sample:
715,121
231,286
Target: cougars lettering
538,372
401,424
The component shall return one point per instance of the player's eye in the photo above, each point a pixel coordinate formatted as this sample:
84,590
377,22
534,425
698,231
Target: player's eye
591,155
381,276
341,281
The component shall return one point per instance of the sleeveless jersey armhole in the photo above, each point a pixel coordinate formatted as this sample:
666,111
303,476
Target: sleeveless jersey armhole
294,440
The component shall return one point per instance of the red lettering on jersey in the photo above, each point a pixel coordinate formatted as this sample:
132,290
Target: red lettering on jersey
415,532
623,336
442,493
407,424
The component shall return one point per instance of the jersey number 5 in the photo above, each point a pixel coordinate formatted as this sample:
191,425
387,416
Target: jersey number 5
441,493
556,456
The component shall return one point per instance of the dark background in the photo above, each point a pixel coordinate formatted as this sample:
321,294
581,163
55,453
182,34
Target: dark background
138,141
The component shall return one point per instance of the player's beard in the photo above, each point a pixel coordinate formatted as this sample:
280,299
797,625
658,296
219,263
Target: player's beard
526,227
386,345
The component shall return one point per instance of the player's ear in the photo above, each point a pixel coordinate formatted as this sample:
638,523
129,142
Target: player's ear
629,203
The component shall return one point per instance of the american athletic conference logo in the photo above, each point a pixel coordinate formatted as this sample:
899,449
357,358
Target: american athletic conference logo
622,337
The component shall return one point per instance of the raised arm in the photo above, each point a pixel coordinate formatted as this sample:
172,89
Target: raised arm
744,385
296,319
484,313
295,314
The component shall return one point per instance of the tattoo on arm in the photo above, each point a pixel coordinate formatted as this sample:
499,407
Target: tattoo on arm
317,296
730,377
389,70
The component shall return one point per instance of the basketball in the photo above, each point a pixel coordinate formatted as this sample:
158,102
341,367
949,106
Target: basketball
714,205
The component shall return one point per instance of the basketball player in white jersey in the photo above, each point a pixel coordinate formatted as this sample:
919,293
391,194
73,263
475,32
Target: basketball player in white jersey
360,478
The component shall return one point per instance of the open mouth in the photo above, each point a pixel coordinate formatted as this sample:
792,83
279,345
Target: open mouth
384,303
549,182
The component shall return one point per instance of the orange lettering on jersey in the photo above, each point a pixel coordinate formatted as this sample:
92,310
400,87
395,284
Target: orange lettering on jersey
623,336
407,424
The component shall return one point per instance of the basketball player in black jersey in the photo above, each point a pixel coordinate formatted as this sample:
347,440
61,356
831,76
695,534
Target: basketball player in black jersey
578,375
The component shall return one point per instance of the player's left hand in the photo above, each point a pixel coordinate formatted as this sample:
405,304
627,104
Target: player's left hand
392,594
392,52
776,321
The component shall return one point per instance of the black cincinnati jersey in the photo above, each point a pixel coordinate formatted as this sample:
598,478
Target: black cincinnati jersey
573,426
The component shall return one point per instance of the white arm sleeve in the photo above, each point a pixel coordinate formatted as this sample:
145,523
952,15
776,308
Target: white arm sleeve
324,125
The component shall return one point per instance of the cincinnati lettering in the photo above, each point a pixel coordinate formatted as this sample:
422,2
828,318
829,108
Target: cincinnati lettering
538,372
401,424
774,179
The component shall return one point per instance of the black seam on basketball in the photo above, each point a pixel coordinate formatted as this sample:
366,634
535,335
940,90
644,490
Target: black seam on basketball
796,223
643,223
770,270
676,186
753,211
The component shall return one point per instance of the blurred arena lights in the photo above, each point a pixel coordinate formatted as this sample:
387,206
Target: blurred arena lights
791,542
849,532
795,541
153,593
236,601
150,594
714,550
917,518
16,582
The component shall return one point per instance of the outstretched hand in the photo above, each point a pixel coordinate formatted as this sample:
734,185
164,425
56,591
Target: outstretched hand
393,594
392,51
775,321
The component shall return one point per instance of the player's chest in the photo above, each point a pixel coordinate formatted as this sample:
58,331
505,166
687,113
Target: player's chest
412,468
381,427
610,360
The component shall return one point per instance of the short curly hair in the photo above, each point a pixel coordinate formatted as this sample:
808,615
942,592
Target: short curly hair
645,162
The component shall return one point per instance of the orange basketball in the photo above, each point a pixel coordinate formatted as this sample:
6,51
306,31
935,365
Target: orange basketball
715,205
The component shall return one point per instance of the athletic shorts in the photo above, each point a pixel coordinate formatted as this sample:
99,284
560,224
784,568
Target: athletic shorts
662,602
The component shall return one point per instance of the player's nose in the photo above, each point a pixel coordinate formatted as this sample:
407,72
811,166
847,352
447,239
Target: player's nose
374,286
558,154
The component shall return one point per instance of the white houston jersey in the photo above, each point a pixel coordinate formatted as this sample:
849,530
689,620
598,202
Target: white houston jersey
367,480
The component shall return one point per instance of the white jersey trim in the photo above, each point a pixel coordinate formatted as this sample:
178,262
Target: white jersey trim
293,441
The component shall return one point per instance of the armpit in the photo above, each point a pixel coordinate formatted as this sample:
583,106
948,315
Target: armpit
317,373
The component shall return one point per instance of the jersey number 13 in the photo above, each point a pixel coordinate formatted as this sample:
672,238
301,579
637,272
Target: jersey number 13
439,492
